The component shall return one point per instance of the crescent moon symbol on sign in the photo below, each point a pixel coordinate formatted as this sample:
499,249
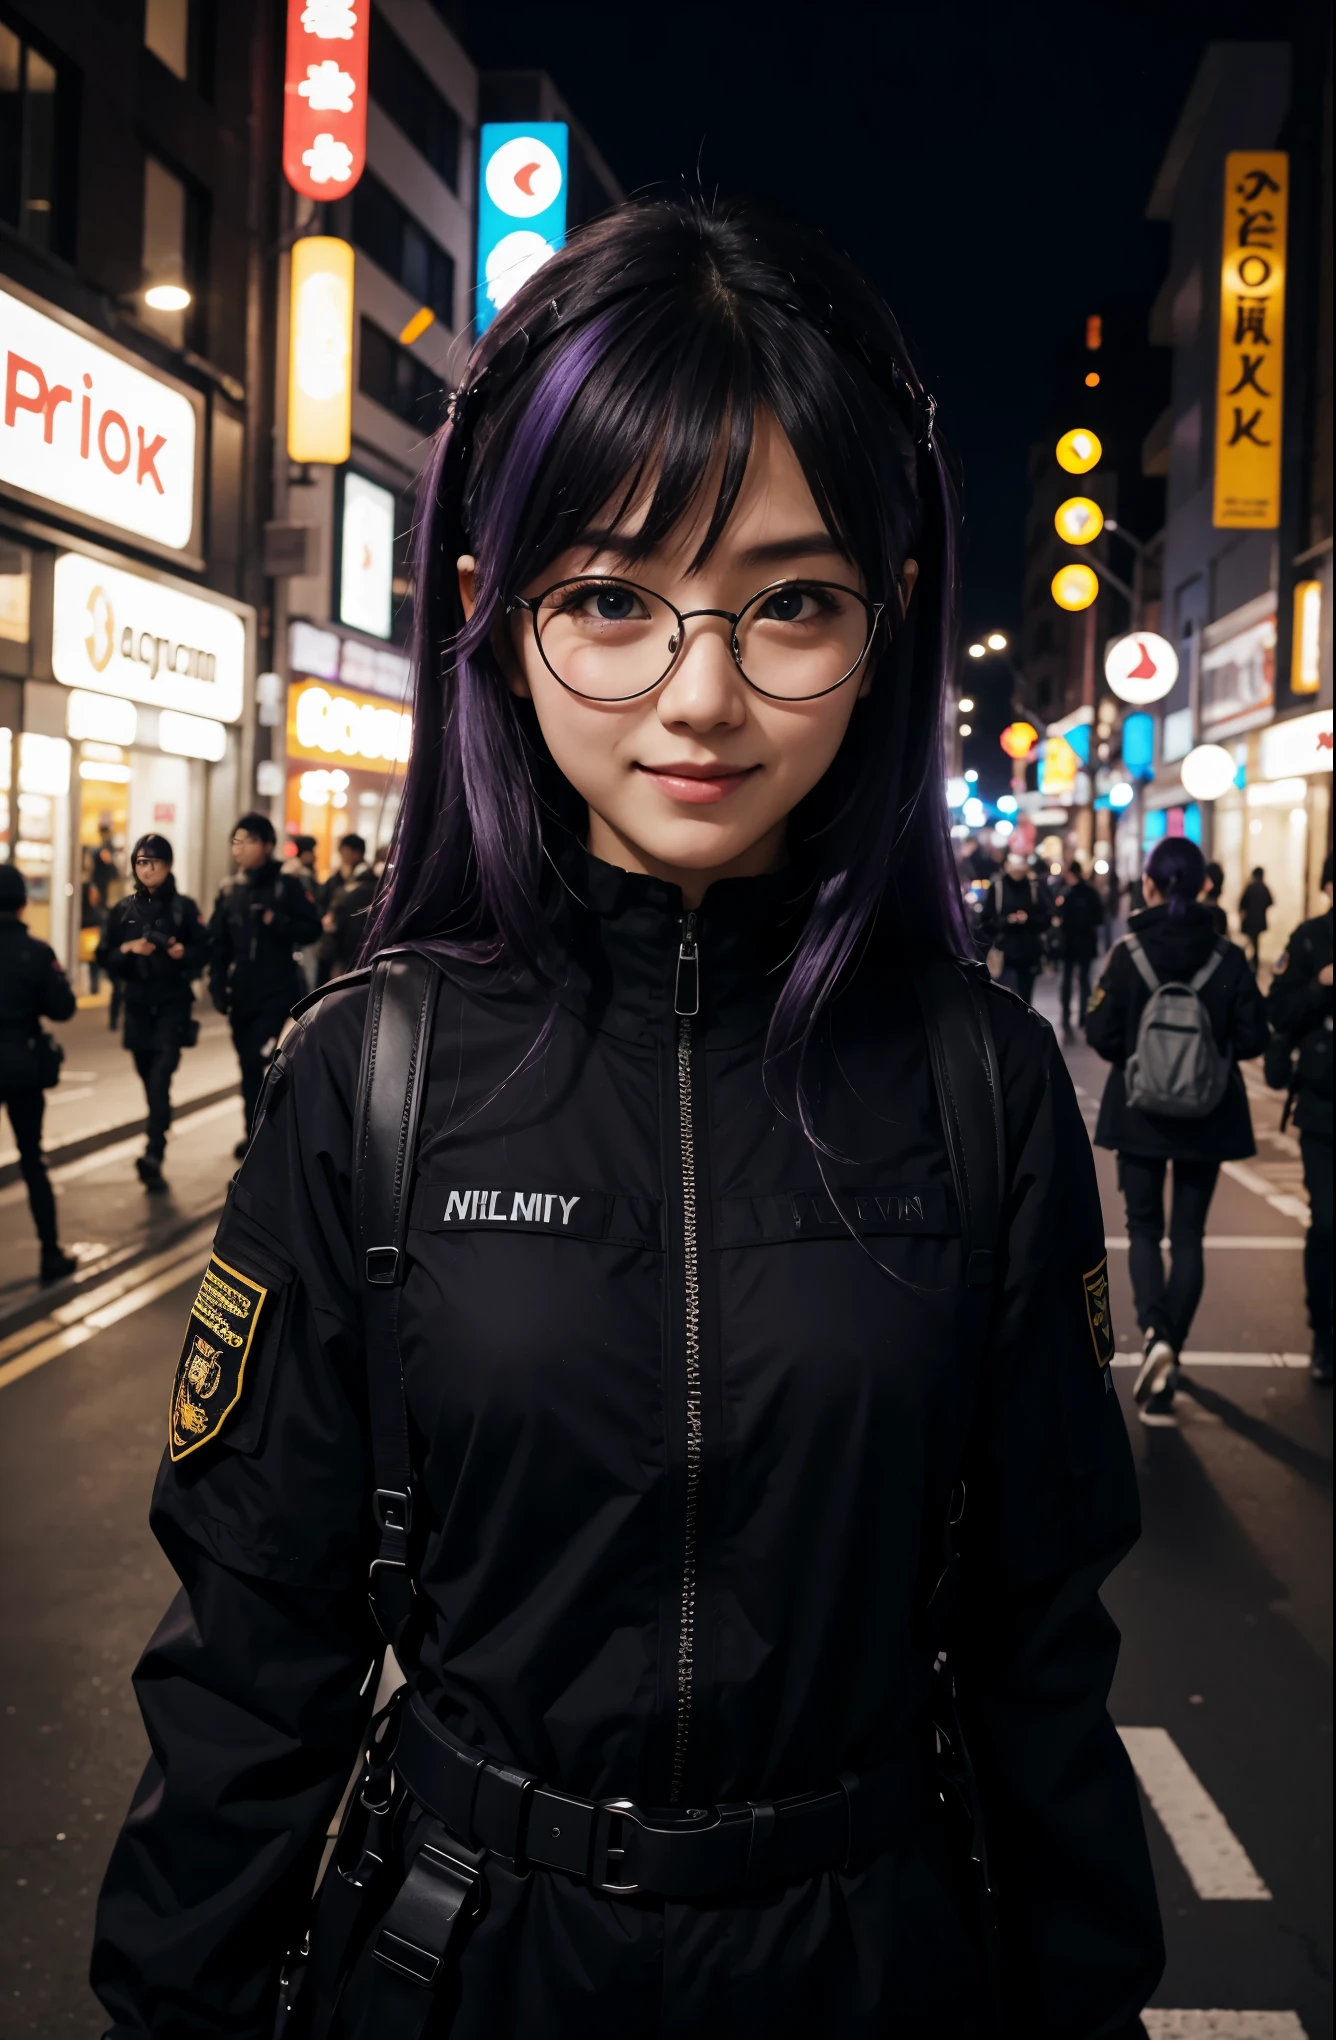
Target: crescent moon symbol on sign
524,177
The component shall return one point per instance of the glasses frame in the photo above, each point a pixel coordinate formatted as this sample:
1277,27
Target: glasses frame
874,611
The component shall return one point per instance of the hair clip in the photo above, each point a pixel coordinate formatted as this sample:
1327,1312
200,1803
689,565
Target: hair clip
925,409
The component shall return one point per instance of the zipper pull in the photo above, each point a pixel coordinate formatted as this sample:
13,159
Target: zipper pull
686,994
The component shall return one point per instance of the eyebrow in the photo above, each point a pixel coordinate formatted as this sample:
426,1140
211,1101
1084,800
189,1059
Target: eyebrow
774,552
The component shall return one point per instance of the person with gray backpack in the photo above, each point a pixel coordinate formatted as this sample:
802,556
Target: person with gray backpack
1175,1012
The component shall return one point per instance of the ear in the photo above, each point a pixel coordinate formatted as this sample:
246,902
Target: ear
503,641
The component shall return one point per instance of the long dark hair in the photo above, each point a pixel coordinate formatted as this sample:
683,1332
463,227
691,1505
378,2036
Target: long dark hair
636,358
1177,869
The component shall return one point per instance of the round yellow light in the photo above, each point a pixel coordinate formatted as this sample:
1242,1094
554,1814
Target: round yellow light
1078,520
1078,451
997,641
167,297
1075,587
1092,380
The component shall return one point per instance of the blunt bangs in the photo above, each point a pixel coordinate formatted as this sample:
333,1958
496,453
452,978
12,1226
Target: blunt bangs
629,374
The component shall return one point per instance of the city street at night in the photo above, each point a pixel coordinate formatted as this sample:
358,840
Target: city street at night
1224,1679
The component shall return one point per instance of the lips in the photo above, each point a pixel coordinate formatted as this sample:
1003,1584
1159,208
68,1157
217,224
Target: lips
698,785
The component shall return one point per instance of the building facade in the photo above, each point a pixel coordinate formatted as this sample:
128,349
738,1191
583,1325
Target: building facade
136,326
1248,610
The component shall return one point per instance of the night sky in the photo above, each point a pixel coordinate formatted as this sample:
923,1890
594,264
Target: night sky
989,168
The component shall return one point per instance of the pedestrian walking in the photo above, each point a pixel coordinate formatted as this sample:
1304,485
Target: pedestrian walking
33,988
1213,898
345,901
1299,1006
710,1372
1255,904
260,919
301,864
1015,919
1080,915
1175,1011
154,945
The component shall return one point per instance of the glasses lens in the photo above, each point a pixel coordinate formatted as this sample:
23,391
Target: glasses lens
607,640
803,638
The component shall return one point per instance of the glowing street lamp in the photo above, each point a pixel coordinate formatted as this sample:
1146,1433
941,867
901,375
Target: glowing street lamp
1078,451
1208,771
1075,587
978,651
1078,520
997,641
965,705
167,297
1018,739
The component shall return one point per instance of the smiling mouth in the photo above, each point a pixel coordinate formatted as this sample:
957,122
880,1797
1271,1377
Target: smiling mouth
698,785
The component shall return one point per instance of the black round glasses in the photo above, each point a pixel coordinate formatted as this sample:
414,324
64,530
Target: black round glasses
607,639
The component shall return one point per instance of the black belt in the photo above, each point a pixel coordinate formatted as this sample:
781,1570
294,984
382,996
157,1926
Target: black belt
619,1848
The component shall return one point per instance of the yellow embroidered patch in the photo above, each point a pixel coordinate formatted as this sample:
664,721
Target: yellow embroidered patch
1099,1312
212,1366
1097,998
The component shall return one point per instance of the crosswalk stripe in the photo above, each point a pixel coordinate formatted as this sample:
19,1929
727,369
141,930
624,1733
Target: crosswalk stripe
1203,1840
121,1304
1191,1359
1287,1242
1162,2024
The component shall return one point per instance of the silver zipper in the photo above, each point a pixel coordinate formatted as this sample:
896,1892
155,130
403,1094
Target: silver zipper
687,1004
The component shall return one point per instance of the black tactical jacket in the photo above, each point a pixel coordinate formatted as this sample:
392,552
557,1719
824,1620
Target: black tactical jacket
600,1443
152,982
1021,942
33,988
1301,1008
252,967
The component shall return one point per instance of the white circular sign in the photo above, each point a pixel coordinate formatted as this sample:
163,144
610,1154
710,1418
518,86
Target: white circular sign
523,177
513,261
1208,772
1141,667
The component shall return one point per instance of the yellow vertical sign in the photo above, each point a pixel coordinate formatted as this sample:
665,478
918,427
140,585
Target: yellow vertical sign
1249,382
320,350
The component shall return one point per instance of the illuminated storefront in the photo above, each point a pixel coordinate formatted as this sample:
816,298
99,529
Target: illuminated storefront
346,755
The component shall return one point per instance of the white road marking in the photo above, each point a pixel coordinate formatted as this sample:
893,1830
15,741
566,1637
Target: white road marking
1203,1840
1293,1207
68,1172
74,1323
1286,1242
1190,1359
1169,2025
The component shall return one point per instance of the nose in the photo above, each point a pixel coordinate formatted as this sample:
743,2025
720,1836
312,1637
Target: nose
705,690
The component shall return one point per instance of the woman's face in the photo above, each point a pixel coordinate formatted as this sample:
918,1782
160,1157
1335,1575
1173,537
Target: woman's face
696,779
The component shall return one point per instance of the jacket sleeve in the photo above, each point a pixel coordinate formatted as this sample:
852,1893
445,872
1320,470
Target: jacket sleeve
107,955
195,941
296,916
1051,1508
1296,1001
55,990
1249,1029
257,1684
220,953
1106,1015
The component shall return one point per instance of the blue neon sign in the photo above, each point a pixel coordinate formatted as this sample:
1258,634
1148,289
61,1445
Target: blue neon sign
522,176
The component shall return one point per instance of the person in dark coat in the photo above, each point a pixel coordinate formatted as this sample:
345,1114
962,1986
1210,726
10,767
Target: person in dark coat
1255,903
1015,918
1213,898
1080,915
688,1375
1178,937
155,944
260,919
33,988
345,901
1299,1006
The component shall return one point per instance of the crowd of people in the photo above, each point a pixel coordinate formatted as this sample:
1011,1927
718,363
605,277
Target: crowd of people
1176,1010
276,932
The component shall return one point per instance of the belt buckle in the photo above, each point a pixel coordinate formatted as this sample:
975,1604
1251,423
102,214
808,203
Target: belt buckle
605,1813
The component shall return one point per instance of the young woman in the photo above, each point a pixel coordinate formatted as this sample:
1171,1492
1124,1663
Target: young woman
693,1371
1177,936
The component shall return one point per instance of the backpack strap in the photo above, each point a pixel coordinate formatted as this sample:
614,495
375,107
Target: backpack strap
1211,965
969,1093
1132,944
392,1083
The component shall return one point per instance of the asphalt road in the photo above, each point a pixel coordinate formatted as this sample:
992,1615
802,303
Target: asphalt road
1223,1688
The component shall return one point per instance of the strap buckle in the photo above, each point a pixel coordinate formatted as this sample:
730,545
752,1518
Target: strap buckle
393,1510
440,1895
382,1266
609,1853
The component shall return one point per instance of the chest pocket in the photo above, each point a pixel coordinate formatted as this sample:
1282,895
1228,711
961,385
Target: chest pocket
907,1210
565,1213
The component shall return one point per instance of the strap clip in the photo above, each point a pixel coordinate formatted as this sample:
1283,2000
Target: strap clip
393,1510
440,1895
382,1267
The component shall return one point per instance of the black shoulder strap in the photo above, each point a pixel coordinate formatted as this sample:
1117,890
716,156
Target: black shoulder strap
969,1093
396,1047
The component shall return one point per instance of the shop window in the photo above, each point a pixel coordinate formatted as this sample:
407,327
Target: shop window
15,595
396,243
399,85
180,35
390,375
173,248
36,144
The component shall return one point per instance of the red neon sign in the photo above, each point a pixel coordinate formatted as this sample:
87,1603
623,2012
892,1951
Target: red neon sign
324,96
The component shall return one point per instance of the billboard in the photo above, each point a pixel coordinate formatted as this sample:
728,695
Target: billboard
1250,362
522,170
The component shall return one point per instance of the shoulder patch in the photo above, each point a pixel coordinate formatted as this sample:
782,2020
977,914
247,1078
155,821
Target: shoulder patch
1099,1312
209,1374
1281,964
1096,1000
